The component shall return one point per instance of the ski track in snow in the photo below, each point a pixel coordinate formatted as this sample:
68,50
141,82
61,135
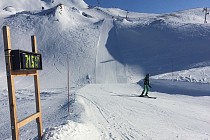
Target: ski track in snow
117,120
115,112
112,127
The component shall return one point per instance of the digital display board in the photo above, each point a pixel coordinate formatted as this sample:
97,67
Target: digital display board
23,60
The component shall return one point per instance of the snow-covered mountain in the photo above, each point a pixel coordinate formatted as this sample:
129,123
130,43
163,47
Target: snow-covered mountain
154,43
82,34
108,54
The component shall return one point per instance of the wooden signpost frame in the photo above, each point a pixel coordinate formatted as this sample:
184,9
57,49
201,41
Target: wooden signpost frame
15,124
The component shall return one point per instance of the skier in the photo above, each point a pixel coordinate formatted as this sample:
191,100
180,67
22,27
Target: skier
146,86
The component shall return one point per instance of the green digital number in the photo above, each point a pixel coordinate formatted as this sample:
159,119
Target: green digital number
32,61
27,60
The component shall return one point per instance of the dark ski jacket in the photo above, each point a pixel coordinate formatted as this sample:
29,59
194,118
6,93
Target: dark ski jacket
146,80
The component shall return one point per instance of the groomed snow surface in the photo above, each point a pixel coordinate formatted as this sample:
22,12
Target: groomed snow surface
109,56
122,115
105,112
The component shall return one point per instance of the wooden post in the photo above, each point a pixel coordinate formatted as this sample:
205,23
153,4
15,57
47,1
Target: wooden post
10,82
68,83
37,92
15,125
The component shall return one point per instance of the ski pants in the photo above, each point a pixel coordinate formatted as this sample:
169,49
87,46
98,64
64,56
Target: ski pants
146,89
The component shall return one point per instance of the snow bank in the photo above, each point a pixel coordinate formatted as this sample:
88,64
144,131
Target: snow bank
195,75
72,131
79,127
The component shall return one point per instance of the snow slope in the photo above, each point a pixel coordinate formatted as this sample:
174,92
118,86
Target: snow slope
113,111
77,41
105,63
181,46
108,56
117,113
133,46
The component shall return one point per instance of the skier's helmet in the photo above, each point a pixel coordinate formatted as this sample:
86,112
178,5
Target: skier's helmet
147,74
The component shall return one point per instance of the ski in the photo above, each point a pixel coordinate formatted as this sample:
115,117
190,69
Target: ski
148,97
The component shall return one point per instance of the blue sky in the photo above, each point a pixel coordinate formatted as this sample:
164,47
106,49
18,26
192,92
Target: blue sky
151,6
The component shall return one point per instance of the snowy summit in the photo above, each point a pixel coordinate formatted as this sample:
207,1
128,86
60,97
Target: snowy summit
109,53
